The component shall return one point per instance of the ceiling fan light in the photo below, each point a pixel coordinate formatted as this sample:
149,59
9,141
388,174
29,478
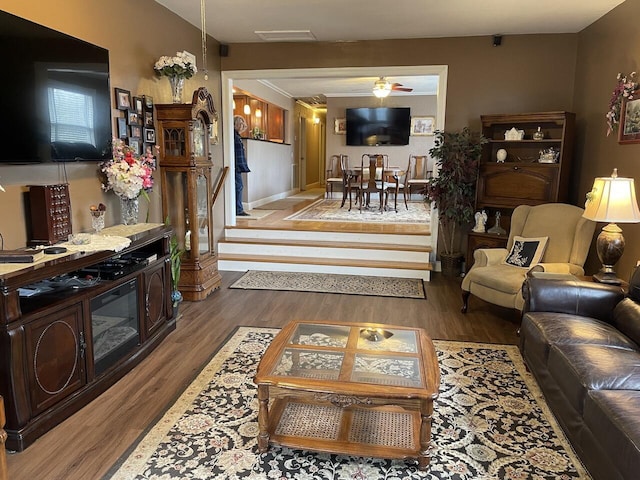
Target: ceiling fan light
381,88
381,92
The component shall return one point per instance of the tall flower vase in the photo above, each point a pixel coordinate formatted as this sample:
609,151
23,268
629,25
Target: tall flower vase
129,208
177,84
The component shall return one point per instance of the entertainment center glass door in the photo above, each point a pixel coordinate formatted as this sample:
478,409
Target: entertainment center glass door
114,325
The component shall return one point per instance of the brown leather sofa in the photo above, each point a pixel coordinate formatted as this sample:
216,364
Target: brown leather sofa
581,341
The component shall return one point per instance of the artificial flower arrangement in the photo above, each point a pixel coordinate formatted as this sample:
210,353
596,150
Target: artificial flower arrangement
625,88
181,66
127,175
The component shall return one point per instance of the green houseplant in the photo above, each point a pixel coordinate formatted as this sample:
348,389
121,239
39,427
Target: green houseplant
453,190
175,258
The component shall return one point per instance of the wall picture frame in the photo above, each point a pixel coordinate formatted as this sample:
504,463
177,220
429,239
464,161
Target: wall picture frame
137,104
122,128
422,126
133,118
135,145
148,119
340,126
629,128
136,131
123,98
149,135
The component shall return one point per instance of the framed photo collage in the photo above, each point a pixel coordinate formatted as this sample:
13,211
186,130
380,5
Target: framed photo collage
136,125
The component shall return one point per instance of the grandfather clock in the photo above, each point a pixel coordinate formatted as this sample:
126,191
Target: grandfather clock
185,167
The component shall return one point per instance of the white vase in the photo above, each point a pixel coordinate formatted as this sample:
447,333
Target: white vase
177,84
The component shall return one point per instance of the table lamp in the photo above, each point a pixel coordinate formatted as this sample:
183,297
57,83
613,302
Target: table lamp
613,200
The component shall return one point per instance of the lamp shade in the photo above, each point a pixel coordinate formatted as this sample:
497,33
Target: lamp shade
612,199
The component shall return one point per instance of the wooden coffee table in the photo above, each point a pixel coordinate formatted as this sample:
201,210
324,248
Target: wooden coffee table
358,389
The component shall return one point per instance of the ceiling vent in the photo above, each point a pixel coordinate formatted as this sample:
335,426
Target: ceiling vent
285,35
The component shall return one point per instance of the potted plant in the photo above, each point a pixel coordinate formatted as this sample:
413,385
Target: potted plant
175,258
453,190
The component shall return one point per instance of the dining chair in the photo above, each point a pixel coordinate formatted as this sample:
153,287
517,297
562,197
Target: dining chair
350,182
417,175
334,174
372,179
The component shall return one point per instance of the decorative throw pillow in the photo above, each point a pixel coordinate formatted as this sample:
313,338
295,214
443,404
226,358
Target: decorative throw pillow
526,252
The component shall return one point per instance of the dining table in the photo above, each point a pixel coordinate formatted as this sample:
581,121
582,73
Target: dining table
352,176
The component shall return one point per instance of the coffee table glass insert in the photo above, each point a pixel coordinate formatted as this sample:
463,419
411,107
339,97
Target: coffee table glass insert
362,389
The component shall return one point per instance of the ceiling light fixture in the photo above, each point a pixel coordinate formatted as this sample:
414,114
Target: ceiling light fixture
285,35
381,88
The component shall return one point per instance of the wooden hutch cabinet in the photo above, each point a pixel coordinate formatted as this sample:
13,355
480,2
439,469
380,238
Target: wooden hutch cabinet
71,327
185,166
526,176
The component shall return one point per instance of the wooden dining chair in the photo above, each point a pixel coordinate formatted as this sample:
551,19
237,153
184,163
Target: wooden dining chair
372,179
350,182
334,174
417,174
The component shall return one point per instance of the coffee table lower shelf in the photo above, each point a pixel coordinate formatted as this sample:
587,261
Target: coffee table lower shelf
386,431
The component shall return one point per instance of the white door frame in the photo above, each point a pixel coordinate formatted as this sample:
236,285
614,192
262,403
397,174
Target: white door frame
227,106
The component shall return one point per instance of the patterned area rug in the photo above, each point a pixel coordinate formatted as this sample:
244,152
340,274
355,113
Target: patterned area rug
332,283
329,211
490,422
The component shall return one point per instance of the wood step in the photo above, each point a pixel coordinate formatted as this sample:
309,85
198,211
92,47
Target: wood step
332,244
346,227
327,261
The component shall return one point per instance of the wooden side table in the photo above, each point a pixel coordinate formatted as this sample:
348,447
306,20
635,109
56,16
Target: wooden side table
483,240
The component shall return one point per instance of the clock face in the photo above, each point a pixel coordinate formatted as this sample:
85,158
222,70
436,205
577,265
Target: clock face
199,137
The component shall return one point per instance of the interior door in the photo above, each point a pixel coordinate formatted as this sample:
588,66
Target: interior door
302,152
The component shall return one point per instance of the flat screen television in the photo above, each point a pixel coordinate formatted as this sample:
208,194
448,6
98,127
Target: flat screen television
55,95
378,126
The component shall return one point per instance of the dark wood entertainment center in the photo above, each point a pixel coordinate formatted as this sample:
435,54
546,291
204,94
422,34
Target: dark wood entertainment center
66,336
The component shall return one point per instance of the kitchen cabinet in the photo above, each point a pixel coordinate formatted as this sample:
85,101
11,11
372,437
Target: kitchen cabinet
265,120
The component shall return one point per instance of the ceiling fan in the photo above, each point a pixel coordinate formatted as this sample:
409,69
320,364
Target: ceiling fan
382,88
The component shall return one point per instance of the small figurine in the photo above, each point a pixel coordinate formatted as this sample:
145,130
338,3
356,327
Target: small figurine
501,155
497,229
481,221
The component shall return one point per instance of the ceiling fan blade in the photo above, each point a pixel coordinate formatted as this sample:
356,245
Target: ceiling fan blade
401,89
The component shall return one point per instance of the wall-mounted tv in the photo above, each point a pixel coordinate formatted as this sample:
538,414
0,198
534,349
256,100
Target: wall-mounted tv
55,95
378,126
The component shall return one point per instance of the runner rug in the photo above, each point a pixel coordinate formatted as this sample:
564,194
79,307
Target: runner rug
330,211
490,422
332,283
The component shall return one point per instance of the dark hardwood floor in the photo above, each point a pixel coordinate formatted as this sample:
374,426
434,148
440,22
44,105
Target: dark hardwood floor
86,445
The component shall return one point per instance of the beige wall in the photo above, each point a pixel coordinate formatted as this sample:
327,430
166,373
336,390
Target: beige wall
608,46
421,105
527,73
136,34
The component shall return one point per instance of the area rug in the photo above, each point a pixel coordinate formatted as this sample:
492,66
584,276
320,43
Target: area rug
490,422
327,210
332,283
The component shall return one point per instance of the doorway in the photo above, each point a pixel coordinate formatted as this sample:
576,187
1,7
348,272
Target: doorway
308,73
